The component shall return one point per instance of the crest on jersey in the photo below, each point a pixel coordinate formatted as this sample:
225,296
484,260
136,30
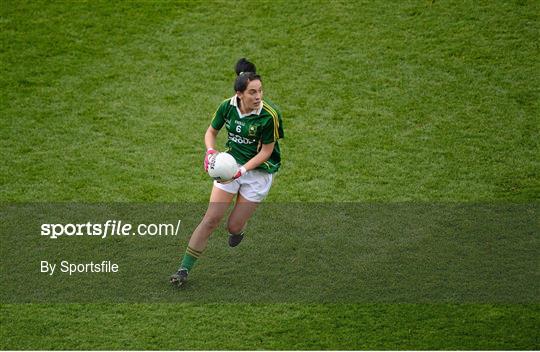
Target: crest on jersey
252,131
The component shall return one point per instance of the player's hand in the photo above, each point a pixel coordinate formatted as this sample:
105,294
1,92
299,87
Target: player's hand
241,172
209,153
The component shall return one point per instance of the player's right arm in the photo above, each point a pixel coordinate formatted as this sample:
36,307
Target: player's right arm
210,137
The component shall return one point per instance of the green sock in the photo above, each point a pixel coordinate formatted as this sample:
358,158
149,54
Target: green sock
190,257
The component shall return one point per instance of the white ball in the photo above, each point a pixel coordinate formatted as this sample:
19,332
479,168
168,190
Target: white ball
222,167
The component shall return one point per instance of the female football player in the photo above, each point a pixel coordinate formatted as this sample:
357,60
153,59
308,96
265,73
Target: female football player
253,127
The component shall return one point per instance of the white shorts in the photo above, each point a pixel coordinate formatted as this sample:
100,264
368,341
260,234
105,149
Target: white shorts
254,185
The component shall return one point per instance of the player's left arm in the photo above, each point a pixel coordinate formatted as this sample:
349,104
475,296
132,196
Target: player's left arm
263,155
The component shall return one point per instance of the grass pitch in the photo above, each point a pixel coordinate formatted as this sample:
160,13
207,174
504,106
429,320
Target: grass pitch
385,102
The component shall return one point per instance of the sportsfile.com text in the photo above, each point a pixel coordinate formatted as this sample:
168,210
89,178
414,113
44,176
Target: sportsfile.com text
109,228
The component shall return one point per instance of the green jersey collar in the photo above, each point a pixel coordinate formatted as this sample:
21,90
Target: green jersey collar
234,102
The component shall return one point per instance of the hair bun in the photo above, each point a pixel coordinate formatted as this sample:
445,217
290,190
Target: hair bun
243,66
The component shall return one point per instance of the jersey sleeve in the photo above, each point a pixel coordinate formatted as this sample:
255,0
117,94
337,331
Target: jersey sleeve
218,119
273,129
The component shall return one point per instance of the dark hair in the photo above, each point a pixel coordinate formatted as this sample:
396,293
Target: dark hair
246,72
243,65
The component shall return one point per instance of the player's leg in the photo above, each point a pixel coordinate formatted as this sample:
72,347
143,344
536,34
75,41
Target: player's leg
219,203
254,187
241,213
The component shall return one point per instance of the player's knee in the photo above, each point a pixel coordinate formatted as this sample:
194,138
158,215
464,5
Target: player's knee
211,223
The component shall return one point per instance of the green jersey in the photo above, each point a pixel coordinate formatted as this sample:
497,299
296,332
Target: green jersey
247,133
